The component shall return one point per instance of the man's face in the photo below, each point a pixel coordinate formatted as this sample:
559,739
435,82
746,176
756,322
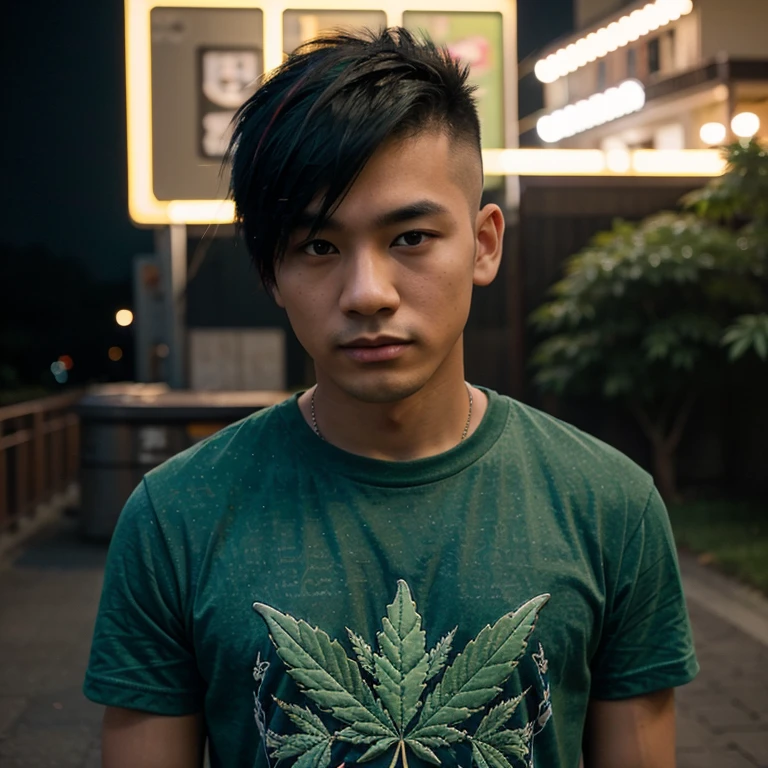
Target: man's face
379,297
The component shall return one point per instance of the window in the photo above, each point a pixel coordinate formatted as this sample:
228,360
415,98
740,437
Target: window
654,56
668,51
632,62
602,76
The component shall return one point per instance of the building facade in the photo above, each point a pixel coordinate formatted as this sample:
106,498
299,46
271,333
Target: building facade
669,74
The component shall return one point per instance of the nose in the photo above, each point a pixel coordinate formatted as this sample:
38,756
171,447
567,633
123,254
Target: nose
368,286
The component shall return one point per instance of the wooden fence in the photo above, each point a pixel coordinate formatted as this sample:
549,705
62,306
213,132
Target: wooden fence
39,455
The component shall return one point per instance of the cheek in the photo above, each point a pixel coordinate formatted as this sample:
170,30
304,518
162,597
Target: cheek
444,298
307,308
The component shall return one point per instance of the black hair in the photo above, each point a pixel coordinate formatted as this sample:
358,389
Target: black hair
310,128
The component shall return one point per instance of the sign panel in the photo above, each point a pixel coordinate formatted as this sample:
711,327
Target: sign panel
205,63
299,26
476,39
191,63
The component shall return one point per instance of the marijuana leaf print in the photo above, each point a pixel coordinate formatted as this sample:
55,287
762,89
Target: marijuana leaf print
394,714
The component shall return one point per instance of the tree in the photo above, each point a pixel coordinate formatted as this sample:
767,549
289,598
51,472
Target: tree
640,316
739,200
644,311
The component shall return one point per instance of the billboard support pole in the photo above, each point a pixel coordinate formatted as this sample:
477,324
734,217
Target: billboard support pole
171,246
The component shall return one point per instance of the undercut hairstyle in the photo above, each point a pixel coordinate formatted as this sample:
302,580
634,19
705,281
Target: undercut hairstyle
304,137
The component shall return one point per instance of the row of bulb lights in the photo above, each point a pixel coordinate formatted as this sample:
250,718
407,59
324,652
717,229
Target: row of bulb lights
610,38
598,109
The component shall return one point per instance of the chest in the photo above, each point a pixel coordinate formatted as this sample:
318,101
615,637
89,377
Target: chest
334,560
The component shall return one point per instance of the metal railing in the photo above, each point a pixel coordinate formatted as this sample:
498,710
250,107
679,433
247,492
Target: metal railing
39,455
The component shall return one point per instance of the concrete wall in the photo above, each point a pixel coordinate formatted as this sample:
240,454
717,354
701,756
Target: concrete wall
739,27
587,11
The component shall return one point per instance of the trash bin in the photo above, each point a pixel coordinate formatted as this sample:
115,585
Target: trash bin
126,430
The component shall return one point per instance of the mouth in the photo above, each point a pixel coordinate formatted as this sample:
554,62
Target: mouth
375,349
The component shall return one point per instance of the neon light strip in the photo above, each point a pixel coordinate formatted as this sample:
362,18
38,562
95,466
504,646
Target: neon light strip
594,162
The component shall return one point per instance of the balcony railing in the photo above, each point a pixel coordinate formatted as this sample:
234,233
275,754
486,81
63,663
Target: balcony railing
39,455
720,70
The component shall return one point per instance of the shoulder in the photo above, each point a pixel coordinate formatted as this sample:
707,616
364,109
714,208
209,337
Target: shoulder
574,465
228,444
201,477
553,434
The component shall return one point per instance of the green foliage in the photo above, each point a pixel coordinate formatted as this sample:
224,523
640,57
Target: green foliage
642,310
739,199
733,535
748,332
742,192
394,712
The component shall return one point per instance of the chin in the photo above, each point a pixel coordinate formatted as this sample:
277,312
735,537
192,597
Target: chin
384,388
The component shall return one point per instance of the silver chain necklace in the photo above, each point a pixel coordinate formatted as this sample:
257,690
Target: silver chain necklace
320,434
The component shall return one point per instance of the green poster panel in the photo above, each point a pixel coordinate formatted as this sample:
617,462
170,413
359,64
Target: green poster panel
475,38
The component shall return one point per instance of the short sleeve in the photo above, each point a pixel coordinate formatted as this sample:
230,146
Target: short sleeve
646,643
141,656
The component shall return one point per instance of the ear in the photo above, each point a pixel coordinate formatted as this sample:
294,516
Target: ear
275,291
489,237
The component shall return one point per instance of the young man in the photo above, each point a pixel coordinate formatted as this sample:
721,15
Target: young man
395,567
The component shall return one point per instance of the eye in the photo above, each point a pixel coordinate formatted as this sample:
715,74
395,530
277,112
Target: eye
411,239
319,248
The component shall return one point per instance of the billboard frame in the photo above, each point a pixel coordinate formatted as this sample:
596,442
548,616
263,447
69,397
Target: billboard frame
144,207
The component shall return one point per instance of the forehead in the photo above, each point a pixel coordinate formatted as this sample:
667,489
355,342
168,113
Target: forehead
428,166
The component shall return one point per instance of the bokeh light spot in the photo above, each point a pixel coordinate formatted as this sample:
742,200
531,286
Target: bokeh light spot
124,317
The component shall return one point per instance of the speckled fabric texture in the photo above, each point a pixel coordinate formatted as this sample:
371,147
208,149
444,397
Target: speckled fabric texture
266,512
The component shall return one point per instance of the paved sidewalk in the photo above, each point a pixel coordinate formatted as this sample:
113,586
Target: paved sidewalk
48,598
723,713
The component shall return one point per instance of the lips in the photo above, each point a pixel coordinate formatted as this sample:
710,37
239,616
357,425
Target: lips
375,349
374,341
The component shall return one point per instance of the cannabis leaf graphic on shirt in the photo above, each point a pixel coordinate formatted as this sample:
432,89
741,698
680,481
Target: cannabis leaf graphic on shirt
392,710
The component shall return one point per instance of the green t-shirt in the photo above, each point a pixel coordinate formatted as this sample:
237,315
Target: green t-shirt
447,548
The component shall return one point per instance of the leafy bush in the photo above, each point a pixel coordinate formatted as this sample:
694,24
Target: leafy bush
643,312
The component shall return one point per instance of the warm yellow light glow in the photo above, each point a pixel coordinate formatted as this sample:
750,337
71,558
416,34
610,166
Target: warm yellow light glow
594,162
618,160
124,317
201,211
597,110
543,162
678,162
615,35
745,125
712,133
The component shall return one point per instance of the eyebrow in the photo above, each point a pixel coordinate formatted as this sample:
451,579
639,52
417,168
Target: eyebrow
405,213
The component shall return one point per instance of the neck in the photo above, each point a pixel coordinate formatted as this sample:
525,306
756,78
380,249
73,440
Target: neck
428,422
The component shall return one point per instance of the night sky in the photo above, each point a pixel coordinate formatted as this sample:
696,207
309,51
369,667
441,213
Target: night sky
62,134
